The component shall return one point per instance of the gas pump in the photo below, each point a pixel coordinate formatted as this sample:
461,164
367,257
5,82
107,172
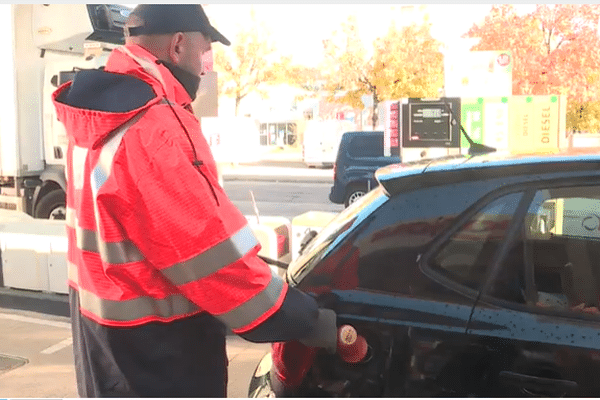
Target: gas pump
415,129
430,128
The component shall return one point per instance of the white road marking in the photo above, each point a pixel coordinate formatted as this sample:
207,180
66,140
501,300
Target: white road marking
39,321
58,346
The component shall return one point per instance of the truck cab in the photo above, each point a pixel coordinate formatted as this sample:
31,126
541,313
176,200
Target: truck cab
45,44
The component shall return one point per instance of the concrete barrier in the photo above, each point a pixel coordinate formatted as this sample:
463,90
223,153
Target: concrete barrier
273,233
33,253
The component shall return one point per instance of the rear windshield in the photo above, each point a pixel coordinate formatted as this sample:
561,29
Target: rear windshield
334,233
366,146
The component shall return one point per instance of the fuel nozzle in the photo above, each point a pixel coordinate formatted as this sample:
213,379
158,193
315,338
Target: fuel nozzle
352,347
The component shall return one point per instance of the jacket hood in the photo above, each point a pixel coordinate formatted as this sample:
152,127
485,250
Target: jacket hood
96,102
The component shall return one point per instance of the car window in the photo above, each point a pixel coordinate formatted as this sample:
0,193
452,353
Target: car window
382,253
557,254
366,146
330,236
468,253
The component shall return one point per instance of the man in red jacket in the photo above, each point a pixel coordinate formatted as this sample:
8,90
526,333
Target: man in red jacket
160,261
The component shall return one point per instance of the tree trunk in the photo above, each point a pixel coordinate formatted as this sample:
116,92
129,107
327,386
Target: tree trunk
237,104
375,115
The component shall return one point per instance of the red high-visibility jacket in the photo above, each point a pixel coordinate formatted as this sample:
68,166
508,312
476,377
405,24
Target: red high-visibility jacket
156,249
153,237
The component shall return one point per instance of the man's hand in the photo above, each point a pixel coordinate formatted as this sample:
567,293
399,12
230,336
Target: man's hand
324,333
580,307
590,310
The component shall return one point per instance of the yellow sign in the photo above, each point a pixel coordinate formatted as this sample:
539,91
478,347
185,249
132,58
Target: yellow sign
536,123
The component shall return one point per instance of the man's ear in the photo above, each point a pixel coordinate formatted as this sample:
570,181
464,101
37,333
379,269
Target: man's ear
176,48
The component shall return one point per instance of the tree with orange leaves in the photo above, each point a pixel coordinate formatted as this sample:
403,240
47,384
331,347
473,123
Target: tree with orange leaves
556,50
406,62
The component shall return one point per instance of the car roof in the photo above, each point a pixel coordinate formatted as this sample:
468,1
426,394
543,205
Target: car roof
397,178
363,133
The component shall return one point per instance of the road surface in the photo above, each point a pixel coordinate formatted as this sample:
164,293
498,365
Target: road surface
285,199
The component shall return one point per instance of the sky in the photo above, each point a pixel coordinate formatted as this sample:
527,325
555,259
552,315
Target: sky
299,29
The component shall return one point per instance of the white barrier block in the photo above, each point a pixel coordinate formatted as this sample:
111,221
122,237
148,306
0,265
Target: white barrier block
33,253
270,231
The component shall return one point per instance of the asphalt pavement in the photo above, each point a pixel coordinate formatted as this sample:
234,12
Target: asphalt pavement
276,164
36,357
288,171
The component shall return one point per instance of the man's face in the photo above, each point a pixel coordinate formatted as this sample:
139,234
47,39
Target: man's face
195,44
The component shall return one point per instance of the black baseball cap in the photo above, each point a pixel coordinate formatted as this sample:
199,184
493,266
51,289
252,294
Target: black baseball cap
171,18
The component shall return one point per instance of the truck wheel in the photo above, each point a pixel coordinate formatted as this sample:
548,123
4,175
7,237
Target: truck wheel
354,193
52,206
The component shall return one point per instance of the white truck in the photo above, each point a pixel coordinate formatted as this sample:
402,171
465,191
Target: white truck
322,140
43,46
232,140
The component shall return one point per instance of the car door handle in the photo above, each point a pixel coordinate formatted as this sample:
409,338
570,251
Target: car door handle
537,385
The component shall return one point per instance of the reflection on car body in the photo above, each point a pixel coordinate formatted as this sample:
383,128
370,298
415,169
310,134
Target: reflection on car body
467,277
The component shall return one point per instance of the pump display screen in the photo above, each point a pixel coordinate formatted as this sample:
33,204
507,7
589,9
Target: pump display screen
431,113
431,123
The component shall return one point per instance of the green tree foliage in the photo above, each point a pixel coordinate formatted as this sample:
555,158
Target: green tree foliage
407,62
556,50
248,63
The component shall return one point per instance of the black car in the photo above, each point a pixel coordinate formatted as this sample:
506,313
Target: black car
469,276
360,154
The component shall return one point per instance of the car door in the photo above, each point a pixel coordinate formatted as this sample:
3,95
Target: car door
462,260
536,323
420,322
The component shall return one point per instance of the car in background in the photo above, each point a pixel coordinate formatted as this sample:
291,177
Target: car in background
359,155
465,276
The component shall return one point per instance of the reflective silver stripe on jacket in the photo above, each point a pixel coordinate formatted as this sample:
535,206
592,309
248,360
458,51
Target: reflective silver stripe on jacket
176,305
199,267
113,252
109,252
254,308
78,158
72,273
71,218
204,264
134,309
102,170
148,66
213,259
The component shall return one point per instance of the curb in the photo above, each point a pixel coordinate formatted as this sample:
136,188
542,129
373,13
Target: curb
45,303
